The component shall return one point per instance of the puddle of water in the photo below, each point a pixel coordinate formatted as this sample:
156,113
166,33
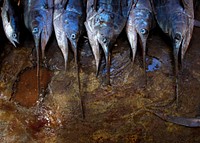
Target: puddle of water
153,64
26,92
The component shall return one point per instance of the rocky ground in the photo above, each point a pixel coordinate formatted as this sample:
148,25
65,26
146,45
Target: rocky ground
117,113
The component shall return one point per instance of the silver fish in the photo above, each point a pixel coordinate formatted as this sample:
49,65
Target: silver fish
139,23
10,19
176,19
38,18
68,24
105,21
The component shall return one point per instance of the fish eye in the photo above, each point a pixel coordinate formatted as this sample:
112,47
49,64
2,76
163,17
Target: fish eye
14,35
100,18
66,21
115,27
35,30
143,31
112,16
104,40
73,36
46,6
177,37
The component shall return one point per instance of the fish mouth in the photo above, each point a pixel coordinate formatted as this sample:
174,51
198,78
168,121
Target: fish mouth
15,42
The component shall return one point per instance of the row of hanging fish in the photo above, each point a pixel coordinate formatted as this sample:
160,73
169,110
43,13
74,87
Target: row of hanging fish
104,20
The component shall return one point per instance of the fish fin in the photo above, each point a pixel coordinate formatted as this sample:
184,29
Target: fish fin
65,51
94,45
197,23
132,37
186,41
152,6
95,5
8,16
184,121
188,6
107,56
91,7
65,3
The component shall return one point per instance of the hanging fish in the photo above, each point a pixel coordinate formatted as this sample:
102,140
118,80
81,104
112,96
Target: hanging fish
68,21
176,19
10,19
38,15
139,23
105,21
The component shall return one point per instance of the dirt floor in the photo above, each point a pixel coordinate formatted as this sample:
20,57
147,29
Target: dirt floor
112,114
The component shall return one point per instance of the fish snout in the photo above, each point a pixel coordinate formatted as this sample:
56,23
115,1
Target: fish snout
14,38
177,39
104,41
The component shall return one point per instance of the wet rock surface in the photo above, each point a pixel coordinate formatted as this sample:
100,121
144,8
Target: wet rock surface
117,113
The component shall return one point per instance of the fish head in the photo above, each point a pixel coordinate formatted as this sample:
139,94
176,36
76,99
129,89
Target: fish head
109,26
177,40
12,33
73,28
178,31
106,37
36,24
143,24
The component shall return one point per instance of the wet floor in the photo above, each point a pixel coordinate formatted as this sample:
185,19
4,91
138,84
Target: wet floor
117,113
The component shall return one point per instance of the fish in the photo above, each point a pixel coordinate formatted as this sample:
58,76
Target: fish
38,19
176,19
10,20
74,18
140,22
105,20
59,30
69,17
68,22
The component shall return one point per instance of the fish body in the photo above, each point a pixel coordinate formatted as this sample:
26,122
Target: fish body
10,19
68,22
105,21
139,23
69,17
176,19
74,18
38,15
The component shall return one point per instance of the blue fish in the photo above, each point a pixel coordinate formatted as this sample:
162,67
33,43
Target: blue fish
38,18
